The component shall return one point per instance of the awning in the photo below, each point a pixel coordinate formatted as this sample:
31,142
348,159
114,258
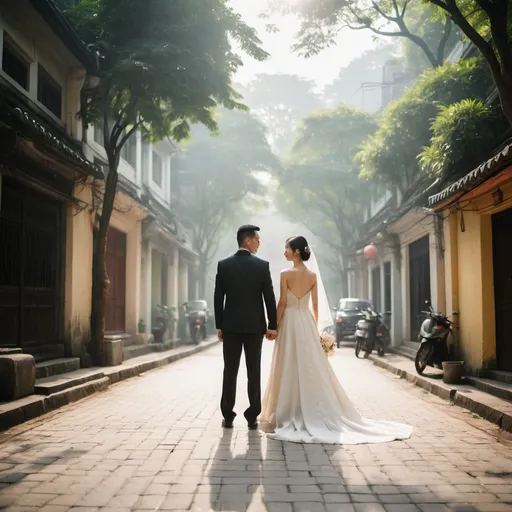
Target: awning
475,177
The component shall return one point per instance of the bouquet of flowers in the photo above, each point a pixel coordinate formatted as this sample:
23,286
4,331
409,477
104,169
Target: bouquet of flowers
327,341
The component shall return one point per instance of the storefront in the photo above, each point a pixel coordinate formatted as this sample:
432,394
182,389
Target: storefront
38,170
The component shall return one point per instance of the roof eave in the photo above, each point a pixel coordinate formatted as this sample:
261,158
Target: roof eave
66,33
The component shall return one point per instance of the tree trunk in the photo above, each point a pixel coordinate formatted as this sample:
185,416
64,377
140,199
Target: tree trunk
202,275
100,281
504,87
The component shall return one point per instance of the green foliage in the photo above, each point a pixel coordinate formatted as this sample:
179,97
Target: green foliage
463,134
488,25
162,64
390,155
217,173
423,20
280,101
321,20
164,317
319,185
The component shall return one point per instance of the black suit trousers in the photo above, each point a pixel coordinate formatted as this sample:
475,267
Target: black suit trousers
232,349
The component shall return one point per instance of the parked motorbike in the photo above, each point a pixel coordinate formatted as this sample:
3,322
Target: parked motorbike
371,332
433,337
196,312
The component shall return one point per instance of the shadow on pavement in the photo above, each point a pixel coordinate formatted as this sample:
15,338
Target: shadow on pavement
237,459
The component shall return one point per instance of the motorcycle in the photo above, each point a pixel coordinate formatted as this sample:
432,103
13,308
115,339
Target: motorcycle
433,337
196,314
371,332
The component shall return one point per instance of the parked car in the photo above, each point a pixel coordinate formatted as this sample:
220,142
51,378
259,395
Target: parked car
348,313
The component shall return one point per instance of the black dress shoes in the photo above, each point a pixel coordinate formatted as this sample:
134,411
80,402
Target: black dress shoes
227,423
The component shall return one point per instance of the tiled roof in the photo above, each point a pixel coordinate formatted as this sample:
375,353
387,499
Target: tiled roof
473,178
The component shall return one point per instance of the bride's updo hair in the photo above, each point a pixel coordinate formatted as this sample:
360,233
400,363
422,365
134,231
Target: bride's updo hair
299,243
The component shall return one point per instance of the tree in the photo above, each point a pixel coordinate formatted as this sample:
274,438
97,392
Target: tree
488,25
463,134
216,174
423,21
162,65
321,20
320,185
280,101
390,155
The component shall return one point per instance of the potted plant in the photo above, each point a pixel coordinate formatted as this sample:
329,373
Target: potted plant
163,320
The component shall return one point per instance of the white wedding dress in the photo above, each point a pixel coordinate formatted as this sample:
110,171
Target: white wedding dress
304,401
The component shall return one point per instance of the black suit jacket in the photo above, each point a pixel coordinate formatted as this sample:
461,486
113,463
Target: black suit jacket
243,282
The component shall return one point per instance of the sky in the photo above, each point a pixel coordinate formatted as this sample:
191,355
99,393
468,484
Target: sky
322,69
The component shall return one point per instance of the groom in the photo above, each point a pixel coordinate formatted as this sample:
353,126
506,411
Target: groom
243,282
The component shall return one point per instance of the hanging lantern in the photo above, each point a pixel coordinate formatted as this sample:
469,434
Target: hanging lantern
370,251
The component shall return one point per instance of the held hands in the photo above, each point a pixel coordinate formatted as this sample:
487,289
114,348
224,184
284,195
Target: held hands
271,334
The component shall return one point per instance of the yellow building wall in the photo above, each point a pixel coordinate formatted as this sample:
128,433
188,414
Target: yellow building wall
127,217
470,285
78,276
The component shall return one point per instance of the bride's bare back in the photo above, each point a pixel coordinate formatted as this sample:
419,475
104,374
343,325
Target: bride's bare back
300,281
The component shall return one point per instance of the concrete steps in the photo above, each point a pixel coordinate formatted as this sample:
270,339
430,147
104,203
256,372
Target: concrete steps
501,376
493,387
57,367
59,390
408,349
57,383
499,384
47,352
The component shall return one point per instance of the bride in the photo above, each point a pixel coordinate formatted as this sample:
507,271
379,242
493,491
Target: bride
304,401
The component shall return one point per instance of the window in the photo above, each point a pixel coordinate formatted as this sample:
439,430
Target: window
49,92
14,64
129,151
157,169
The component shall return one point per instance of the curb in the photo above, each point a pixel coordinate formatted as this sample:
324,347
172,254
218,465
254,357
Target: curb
489,407
20,411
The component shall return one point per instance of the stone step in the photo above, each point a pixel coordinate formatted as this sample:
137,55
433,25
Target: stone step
409,353
502,376
499,389
57,383
126,339
57,367
415,345
46,352
141,350
136,351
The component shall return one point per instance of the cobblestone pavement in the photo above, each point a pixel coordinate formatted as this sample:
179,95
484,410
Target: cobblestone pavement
155,443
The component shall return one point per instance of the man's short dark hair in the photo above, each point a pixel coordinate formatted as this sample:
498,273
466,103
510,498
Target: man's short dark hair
247,231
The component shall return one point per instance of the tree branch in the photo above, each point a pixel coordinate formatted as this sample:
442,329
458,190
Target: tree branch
459,19
498,17
383,14
444,41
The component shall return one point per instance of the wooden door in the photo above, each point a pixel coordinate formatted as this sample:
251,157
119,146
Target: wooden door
419,281
30,268
502,249
116,271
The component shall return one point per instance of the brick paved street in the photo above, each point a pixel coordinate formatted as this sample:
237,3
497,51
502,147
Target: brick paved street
155,443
